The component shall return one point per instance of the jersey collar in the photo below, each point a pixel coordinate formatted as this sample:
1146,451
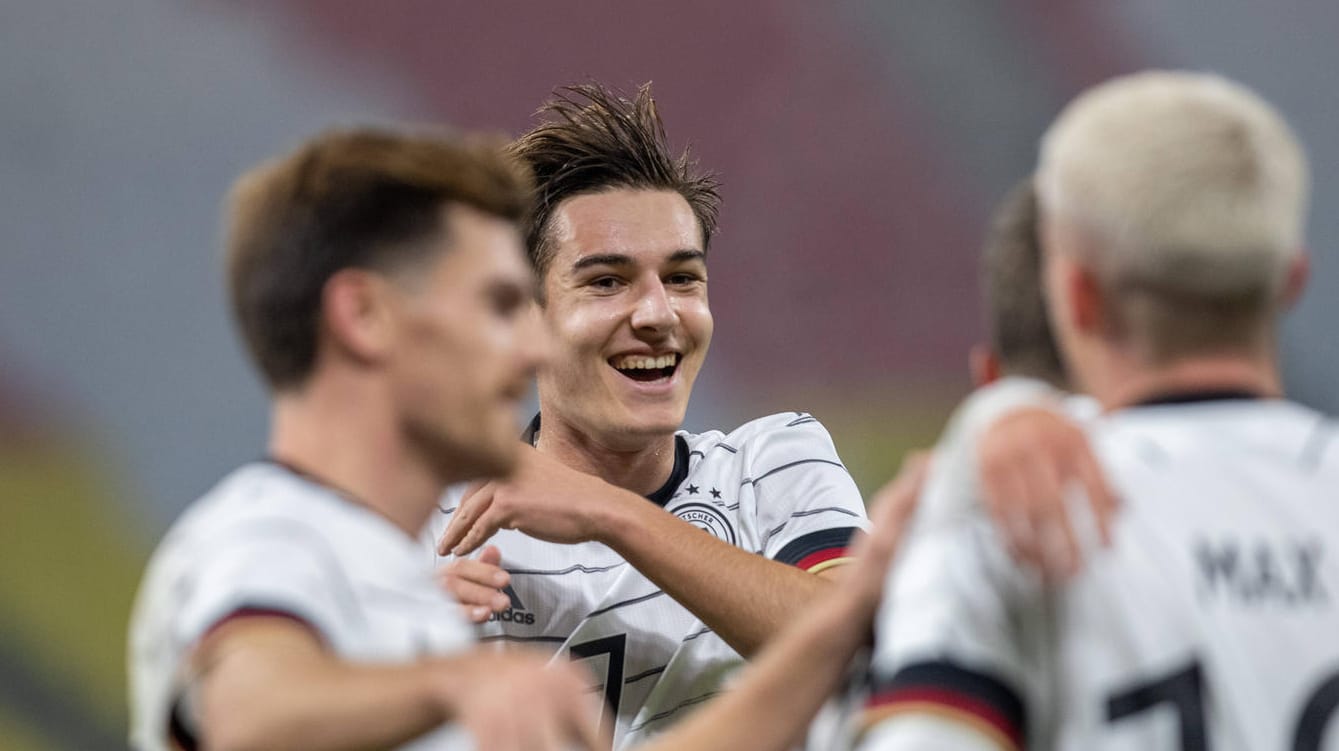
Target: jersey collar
660,496
1196,396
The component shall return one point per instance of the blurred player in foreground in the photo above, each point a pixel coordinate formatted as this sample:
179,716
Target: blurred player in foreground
656,556
1173,206
379,283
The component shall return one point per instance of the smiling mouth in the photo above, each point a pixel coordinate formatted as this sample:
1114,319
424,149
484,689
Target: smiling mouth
646,368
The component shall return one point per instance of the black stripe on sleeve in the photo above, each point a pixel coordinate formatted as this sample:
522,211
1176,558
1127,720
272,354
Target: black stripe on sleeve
984,697
815,542
784,467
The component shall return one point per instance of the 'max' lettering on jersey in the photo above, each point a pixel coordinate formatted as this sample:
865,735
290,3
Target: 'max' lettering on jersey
1252,572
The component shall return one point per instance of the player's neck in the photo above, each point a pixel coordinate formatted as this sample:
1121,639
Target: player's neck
642,468
350,442
1123,384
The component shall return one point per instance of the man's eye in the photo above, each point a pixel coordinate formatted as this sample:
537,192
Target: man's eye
604,282
506,304
685,278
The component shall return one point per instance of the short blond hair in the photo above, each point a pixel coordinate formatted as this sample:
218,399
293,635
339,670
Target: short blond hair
1191,184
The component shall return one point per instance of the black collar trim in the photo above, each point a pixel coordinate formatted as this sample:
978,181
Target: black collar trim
1193,397
660,496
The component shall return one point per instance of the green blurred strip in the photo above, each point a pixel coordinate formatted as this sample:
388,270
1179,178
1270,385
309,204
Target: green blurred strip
17,735
31,692
70,566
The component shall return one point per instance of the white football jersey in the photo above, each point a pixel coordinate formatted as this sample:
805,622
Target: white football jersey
774,487
1211,623
268,541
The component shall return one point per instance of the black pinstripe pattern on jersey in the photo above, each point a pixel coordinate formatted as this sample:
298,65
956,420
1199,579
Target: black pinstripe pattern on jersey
569,570
668,712
802,420
509,637
696,634
645,674
624,604
766,538
717,445
784,467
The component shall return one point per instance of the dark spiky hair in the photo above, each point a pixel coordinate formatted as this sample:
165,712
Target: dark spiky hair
592,140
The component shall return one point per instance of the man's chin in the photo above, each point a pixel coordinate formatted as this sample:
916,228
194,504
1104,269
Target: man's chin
651,425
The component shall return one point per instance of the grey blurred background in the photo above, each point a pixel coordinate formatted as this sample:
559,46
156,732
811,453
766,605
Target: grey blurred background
861,145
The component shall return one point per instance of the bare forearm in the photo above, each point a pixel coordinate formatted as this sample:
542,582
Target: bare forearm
769,709
252,702
745,598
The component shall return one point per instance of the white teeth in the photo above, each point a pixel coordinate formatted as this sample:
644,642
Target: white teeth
638,362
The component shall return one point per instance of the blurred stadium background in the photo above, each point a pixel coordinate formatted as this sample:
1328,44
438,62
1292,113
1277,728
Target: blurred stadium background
861,144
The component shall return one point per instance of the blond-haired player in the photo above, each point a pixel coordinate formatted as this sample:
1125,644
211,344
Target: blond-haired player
1172,210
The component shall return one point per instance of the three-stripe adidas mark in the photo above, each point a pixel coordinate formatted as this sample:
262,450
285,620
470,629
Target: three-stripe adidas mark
517,613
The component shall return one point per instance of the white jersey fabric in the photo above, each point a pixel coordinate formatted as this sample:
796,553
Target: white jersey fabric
1211,623
267,540
774,487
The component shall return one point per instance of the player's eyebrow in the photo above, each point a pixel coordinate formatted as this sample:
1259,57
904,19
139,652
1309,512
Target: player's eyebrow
602,259
619,259
680,256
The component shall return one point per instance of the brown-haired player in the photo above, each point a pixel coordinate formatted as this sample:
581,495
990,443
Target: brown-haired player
379,283
659,557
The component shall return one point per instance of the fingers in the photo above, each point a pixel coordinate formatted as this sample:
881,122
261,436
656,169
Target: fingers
1014,500
1054,545
483,570
476,597
479,532
476,584
471,507
492,556
891,510
1102,498
583,715
896,501
1029,461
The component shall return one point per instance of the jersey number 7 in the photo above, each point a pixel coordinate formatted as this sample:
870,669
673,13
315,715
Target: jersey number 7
614,647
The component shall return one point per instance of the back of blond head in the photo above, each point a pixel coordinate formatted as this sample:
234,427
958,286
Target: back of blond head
1189,183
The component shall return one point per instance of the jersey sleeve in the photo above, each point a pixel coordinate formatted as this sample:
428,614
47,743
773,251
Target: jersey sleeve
808,506
957,630
266,567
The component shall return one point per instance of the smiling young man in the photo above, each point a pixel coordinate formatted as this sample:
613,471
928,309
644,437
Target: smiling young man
657,556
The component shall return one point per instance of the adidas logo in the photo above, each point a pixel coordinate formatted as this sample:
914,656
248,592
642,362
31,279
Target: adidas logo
517,613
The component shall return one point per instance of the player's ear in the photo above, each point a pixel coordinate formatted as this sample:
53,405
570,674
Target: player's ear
984,364
1299,272
1086,299
355,314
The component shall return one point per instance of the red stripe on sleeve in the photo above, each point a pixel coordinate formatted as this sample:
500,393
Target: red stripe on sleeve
250,612
813,559
951,700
